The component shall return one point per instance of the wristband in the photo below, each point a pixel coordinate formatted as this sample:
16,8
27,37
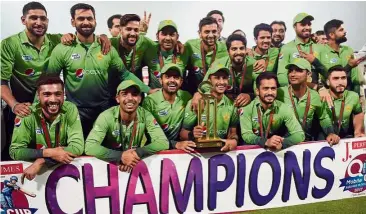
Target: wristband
12,108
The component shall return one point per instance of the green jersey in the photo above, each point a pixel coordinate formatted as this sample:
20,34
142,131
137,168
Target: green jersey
154,58
290,51
317,109
352,107
226,117
195,61
109,137
271,59
284,124
22,63
29,137
133,59
88,73
329,58
169,116
249,77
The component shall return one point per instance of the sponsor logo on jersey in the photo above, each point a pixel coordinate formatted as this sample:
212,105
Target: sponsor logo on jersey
40,146
115,133
79,73
75,56
196,56
196,69
155,61
203,117
255,119
280,56
186,115
296,55
256,131
157,74
229,87
163,112
204,130
240,112
165,127
116,145
155,122
333,60
17,122
27,58
39,131
29,72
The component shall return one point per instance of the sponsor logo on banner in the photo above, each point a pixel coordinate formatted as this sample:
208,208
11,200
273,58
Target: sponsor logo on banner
359,145
196,56
79,73
165,127
27,58
29,72
355,177
163,112
75,56
17,122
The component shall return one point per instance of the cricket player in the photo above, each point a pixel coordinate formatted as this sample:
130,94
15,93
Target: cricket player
118,132
113,24
6,199
168,105
227,118
52,133
278,34
219,17
306,103
268,122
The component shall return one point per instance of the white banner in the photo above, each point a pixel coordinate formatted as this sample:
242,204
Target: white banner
249,178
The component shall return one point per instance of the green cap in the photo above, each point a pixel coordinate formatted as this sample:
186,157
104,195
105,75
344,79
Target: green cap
166,23
126,84
216,68
300,63
301,16
171,66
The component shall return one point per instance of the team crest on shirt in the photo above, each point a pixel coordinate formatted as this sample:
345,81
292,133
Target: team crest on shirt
226,117
100,56
39,131
27,58
155,61
296,55
75,56
17,122
348,108
333,60
115,133
163,113
196,56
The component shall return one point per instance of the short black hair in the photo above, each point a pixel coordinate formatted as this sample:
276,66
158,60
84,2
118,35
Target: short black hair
110,20
207,21
33,6
238,30
48,79
336,68
235,37
279,23
209,14
266,76
332,26
319,32
81,6
125,19
260,27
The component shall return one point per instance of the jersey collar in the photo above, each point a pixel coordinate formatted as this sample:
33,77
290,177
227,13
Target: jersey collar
116,113
298,42
258,103
257,55
25,40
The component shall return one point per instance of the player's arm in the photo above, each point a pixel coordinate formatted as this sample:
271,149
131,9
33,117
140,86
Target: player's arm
188,124
117,64
247,128
296,134
19,147
324,119
75,138
158,142
358,120
283,60
95,138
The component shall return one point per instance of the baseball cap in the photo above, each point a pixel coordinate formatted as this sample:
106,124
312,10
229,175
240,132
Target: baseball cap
171,66
216,68
301,16
166,23
300,63
126,84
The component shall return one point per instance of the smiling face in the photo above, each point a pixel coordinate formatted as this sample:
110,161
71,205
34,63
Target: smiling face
267,91
209,34
84,22
130,33
129,99
237,52
36,22
168,38
171,81
263,40
51,98
219,81
297,76
278,34
303,29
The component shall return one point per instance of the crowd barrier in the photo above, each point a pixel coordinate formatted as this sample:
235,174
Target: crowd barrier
248,178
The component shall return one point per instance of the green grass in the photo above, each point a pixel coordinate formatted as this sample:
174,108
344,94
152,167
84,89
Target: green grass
345,206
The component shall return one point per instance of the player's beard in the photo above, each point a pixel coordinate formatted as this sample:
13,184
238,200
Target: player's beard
238,59
171,87
210,43
37,30
340,40
131,44
304,34
263,99
85,33
52,109
339,89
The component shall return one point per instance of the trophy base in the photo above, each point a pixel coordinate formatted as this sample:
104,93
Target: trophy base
210,143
